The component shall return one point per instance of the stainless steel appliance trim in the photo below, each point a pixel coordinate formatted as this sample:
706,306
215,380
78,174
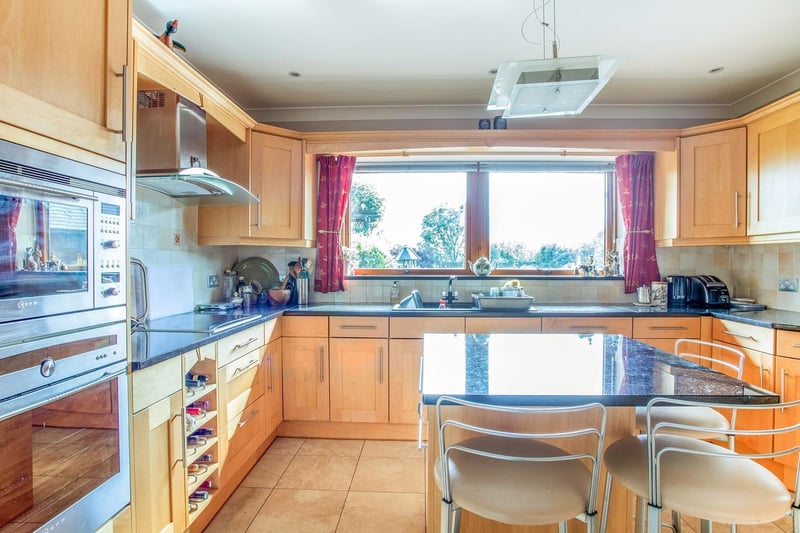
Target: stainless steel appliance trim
49,190
36,398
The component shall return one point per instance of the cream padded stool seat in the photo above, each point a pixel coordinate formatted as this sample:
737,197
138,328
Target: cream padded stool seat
515,492
716,488
501,470
704,479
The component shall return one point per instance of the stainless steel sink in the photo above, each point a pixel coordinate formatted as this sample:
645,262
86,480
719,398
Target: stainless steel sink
435,307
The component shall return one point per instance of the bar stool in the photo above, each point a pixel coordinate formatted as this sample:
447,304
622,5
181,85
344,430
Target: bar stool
732,362
703,479
518,477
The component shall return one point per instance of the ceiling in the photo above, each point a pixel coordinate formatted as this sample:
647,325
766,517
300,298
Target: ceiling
425,64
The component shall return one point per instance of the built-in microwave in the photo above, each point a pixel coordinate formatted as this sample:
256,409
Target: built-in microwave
62,235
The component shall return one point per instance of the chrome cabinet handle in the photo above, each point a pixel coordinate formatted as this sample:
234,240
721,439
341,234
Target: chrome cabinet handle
246,367
740,335
421,358
321,363
253,414
258,211
125,131
749,209
795,345
271,385
246,343
182,417
589,327
668,328
380,365
735,209
783,387
357,326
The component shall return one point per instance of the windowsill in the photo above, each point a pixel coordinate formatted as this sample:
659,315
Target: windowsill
551,277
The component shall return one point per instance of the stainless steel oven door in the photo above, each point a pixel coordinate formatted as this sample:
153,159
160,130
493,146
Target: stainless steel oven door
65,457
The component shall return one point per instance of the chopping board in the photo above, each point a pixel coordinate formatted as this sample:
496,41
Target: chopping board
169,290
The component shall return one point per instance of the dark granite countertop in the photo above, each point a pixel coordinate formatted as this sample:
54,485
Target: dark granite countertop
167,341
566,369
149,348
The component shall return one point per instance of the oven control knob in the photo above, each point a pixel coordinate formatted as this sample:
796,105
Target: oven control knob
47,367
110,244
111,291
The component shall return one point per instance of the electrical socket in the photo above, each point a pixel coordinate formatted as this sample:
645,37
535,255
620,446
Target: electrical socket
177,240
787,284
213,281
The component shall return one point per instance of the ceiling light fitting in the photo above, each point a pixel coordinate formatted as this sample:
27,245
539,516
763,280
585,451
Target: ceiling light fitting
549,87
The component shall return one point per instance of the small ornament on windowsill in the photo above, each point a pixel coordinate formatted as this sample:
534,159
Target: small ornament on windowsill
166,37
612,263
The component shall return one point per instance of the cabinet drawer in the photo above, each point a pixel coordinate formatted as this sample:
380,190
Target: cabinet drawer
613,325
416,327
244,433
240,343
744,335
359,326
666,328
304,326
503,325
243,381
788,343
156,382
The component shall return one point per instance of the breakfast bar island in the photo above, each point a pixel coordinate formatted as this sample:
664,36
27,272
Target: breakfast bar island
561,369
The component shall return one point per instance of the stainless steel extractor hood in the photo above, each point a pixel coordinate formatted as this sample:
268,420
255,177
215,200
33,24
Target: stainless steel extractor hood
171,153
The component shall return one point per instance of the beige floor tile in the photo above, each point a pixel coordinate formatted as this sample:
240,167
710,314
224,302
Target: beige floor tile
391,448
318,472
333,447
239,511
388,474
267,471
285,446
370,512
307,511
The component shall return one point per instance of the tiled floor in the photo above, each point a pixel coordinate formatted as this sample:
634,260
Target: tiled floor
327,486
352,486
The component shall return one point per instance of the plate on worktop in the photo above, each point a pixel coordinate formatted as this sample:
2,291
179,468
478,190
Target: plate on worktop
258,269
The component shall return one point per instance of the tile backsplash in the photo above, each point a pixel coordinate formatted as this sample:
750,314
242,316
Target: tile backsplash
750,271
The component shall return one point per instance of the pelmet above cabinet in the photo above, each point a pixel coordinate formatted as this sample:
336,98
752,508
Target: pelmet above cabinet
62,85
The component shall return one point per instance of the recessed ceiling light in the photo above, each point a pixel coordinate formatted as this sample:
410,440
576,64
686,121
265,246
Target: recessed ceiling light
294,74
716,70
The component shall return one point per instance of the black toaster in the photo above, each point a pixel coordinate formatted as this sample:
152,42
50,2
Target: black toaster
707,291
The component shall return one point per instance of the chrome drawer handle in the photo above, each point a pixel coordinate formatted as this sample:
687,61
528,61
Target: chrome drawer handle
248,419
246,367
740,335
247,343
589,327
355,326
668,328
795,345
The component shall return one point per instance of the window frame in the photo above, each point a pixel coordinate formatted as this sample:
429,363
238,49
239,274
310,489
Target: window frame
476,225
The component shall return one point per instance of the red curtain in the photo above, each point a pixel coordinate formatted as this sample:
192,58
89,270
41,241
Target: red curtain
635,184
335,179
10,208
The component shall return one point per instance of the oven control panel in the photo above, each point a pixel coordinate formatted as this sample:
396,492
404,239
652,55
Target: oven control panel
109,252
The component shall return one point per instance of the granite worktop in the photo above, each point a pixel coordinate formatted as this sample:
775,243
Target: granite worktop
151,347
567,369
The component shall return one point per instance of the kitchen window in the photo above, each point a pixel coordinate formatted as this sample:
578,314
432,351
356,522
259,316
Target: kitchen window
534,218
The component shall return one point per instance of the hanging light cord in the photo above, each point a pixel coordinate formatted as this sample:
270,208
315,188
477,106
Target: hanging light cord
538,12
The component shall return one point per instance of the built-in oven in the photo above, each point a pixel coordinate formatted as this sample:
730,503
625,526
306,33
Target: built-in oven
62,235
64,451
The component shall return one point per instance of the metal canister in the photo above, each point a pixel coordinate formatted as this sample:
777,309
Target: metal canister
302,290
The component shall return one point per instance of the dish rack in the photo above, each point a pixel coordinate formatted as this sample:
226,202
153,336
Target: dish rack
501,303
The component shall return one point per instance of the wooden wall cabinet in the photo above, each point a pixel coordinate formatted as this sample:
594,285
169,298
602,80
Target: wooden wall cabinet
62,86
773,164
713,181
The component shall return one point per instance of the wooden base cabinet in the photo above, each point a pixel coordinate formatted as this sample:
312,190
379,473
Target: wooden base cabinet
359,380
305,378
405,357
159,473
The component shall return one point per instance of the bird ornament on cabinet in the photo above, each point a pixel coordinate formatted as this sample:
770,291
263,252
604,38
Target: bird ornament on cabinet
166,37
